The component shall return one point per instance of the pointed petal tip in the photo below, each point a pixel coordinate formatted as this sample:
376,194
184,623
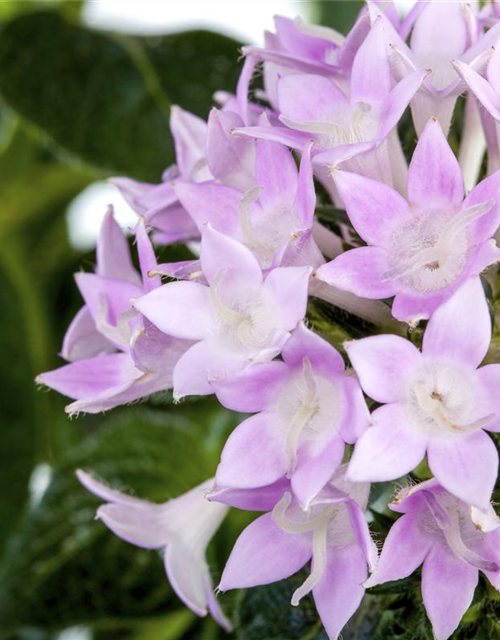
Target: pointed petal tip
371,582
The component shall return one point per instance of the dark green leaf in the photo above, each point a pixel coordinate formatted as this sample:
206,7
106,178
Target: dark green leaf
265,613
107,99
192,66
339,14
17,402
63,568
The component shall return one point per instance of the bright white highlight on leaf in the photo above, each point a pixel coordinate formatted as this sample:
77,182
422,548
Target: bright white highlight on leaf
39,482
86,212
75,633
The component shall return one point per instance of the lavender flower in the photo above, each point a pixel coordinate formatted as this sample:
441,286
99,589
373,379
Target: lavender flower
346,123
441,32
182,528
332,533
273,218
452,540
115,355
239,319
423,249
436,401
307,410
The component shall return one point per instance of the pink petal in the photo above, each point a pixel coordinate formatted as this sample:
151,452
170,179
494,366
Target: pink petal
304,343
489,380
239,263
82,340
92,376
294,139
362,531
305,199
254,454
131,391
460,330
155,352
398,101
480,87
205,362
181,309
310,98
371,73
315,468
230,158
287,288
276,172
356,417
211,203
113,253
405,548
147,258
434,176
173,224
291,38
413,308
253,389
389,449
359,271
486,254
264,553
339,593
113,295
142,525
485,227
188,576
430,41
344,153
190,134
374,209
261,499
465,465
448,586
383,364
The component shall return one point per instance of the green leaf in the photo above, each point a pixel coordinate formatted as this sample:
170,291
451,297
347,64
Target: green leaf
12,8
265,613
25,160
17,402
27,342
339,14
107,99
63,568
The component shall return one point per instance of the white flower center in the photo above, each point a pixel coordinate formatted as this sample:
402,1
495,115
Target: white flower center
308,409
357,124
246,317
430,252
443,398
329,525
267,231
450,518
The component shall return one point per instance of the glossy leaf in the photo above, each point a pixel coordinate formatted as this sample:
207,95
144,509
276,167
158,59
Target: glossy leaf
106,99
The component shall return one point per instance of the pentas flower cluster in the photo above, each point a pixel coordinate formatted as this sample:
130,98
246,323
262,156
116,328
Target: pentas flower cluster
323,423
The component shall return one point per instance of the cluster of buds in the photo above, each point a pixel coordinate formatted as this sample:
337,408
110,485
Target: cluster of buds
232,321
